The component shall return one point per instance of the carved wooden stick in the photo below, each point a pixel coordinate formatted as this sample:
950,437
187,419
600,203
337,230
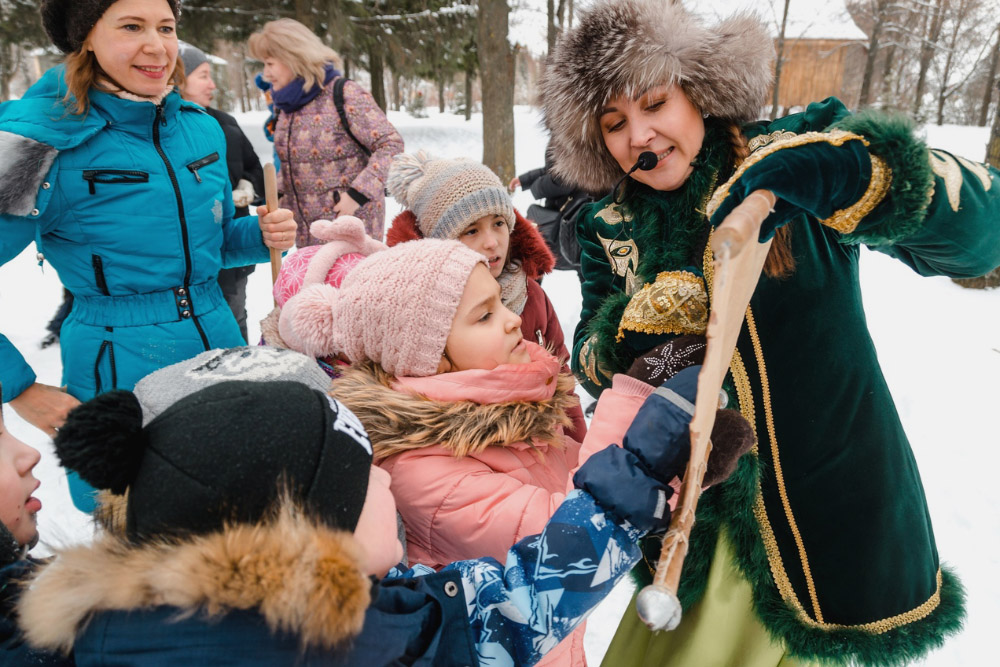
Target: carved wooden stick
739,260
271,201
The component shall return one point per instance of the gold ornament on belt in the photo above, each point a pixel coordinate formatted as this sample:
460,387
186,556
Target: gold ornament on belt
676,302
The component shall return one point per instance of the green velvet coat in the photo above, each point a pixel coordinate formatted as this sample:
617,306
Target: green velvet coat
828,520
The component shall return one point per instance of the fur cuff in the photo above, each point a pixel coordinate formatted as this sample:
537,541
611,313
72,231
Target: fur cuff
24,164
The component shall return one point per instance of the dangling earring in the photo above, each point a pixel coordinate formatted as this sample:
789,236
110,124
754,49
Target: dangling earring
704,115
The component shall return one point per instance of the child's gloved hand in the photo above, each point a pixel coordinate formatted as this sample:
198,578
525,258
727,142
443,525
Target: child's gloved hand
631,481
732,435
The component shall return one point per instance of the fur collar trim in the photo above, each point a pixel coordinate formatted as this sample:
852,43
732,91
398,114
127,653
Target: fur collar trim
526,243
24,164
627,46
302,577
398,421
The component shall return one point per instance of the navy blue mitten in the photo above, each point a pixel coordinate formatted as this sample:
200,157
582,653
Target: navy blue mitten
631,481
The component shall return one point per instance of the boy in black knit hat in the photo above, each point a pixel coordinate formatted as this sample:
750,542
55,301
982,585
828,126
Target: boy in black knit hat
255,519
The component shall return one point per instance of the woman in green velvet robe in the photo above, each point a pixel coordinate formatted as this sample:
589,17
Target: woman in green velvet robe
820,547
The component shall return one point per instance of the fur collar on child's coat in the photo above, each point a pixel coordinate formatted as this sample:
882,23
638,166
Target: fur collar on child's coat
526,243
301,576
397,419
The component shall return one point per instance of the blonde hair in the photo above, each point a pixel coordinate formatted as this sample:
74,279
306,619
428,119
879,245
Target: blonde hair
83,72
297,47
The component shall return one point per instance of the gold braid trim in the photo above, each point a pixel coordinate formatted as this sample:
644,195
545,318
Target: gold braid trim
744,394
833,137
846,220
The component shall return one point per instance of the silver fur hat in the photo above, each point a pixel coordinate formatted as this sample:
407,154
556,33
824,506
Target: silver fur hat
627,46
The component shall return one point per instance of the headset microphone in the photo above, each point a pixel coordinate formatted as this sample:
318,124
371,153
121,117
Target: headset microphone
647,160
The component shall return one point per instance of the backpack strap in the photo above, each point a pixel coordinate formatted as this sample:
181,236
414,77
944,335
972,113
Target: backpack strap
338,101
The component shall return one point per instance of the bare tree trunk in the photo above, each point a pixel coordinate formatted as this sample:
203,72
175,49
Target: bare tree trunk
468,92
569,14
440,82
991,81
395,91
376,67
993,147
866,82
927,48
779,61
303,13
7,67
496,67
888,100
551,32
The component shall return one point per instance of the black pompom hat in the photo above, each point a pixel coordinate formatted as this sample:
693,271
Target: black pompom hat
222,455
68,22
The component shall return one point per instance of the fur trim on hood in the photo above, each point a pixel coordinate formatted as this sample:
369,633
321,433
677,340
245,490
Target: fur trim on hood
526,243
627,46
397,421
303,578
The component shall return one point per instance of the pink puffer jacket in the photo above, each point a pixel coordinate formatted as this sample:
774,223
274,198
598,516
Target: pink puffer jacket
479,459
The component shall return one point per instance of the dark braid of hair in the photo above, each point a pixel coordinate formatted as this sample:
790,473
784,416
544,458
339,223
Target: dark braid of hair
780,262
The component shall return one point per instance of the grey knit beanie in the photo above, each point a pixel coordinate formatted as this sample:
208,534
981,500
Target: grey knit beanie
191,56
68,22
159,390
447,195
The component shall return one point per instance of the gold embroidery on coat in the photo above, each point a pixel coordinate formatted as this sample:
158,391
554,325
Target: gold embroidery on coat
833,137
589,363
623,255
945,167
676,302
847,220
613,214
762,140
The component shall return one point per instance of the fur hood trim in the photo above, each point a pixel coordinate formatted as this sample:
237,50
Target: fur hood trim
627,46
526,243
24,163
302,577
397,421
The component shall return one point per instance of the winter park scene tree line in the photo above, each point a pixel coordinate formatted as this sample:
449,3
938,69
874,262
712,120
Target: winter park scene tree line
461,78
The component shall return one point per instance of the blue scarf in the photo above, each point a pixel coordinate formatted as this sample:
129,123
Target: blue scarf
292,97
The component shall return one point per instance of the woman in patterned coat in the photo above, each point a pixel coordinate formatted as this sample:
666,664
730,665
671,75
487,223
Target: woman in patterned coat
327,169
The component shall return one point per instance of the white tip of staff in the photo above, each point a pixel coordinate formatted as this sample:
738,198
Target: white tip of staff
658,608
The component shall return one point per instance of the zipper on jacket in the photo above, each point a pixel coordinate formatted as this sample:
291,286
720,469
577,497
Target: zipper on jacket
108,346
94,176
98,265
203,162
180,212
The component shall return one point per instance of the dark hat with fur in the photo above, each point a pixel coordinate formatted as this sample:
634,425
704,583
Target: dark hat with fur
221,455
627,46
68,22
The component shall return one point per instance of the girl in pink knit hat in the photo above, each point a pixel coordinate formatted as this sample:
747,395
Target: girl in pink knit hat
345,244
465,412
464,200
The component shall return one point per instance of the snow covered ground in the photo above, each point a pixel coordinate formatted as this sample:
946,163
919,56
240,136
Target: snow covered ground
939,346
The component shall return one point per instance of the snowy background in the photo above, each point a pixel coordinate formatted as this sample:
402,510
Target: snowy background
939,346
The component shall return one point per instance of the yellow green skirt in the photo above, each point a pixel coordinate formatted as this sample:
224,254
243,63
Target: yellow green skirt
721,630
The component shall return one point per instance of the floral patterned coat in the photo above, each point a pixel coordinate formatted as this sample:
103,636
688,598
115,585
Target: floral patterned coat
318,158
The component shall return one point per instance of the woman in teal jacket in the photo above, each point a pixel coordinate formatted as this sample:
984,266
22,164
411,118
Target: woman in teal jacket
123,187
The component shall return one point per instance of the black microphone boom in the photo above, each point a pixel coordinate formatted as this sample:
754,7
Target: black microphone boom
647,160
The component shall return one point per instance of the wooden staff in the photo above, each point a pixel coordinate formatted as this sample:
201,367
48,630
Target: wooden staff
271,201
738,262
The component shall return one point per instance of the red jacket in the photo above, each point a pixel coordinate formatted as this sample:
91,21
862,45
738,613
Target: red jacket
539,323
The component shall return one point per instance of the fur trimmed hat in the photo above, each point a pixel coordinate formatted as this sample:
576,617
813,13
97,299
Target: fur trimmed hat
346,245
623,47
68,22
447,195
221,455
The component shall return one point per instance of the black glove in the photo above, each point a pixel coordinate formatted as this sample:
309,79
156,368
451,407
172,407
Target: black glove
816,178
667,359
